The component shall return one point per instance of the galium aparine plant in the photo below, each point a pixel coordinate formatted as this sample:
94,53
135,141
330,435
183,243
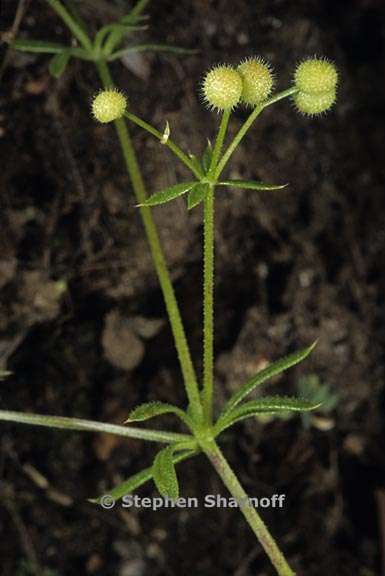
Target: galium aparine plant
223,88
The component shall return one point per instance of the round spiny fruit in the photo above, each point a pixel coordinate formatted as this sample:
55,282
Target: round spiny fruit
312,104
222,88
109,105
316,76
257,80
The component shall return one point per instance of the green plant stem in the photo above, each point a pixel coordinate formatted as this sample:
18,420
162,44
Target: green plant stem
208,302
247,124
133,169
75,28
256,523
208,276
169,143
139,7
93,426
219,141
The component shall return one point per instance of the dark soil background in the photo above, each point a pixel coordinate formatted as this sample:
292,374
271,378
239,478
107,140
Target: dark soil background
82,322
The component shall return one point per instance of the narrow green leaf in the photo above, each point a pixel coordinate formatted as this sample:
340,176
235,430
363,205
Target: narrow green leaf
92,426
40,46
152,409
58,64
151,48
207,157
251,185
168,194
115,32
195,162
137,480
196,195
267,373
4,374
164,474
266,405
134,19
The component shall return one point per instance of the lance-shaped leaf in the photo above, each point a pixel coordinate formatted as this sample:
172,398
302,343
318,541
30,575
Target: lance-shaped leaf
251,185
92,426
265,405
151,48
168,194
40,46
43,47
195,161
164,474
5,374
207,157
196,195
152,409
137,480
267,373
59,63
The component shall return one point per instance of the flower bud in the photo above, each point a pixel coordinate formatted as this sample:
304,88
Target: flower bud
222,88
316,76
257,80
109,105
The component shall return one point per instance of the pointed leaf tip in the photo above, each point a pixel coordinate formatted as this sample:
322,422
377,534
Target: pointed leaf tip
272,370
151,409
252,185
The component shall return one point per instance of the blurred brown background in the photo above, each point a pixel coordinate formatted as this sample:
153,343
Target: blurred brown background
82,321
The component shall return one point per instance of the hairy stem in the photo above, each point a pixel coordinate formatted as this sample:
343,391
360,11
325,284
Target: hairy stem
157,254
93,426
208,302
169,143
219,141
208,276
254,520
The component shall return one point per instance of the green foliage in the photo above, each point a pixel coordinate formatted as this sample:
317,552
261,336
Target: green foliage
251,185
272,370
38,46
152,409
224,87
59,63
164,475
265,405
136,480
196,195
168,194
207,158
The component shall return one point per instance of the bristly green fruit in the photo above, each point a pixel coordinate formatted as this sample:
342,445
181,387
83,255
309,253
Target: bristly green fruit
257,79
316,76
109,105
316,80
222,88
313,104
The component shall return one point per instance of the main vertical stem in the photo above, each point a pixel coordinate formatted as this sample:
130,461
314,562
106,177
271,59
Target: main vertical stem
208,302
208,276
157,255
254,520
